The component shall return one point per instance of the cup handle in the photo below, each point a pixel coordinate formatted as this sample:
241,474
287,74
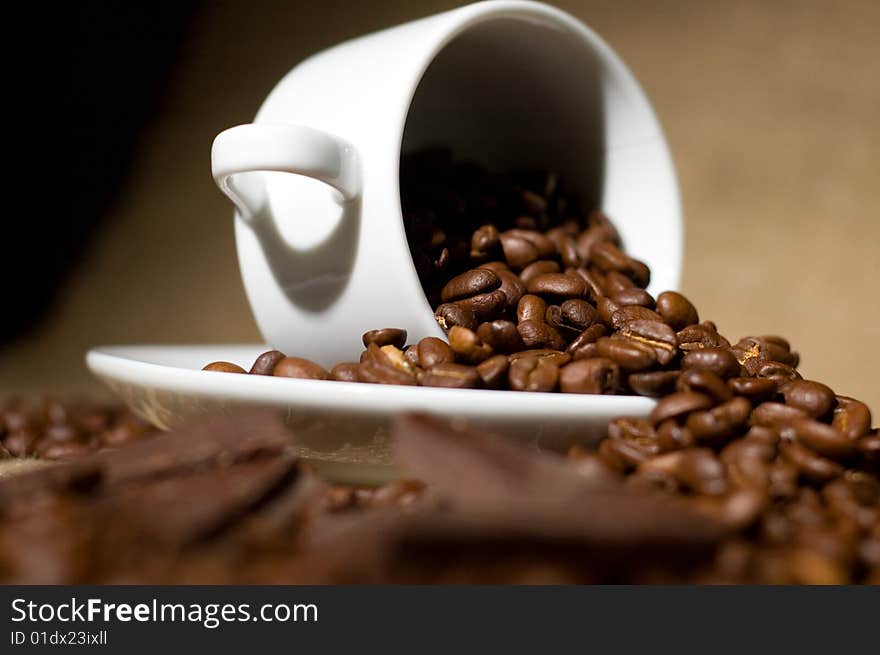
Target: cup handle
285,148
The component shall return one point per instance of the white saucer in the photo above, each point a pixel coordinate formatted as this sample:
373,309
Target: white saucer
341,427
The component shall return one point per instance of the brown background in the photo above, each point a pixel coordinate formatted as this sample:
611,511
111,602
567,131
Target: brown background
772,110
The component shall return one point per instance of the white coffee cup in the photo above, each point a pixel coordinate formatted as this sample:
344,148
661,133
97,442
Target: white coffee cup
508,83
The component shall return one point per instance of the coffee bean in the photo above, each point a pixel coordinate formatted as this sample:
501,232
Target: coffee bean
696,469
630,355
593,282
587,239
297,367
630,313
852,418
512,287
755,389
672,436
376,370
554,318
433,351
533,374
704,381
224,367
470,283
580,346
449,315
485,306
595,376
768,349
623,456
608,257
634,296
385,337
718,425
493,371
679,405
771,415
484,240
557,285
720,361
265,363
653,384
449,375
697,337
634,429
676,310
557,357
345,372
467,346
531,308
814,398
654,334
501,336
518,252
614,282
606,308
537,334
809,464
778,372
568,252
411,353
538,268
819,437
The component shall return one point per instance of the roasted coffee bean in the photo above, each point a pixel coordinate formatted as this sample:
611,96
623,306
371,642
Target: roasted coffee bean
512,287
224,367
672,436
398,359
557,285
596,376
653,384
554,318
376,372
697,337
810,465
623,456
345,372
470,283
630,355
772,414
606,308
557,357
814,398
586,240
297,367
586,340
578,313
748,463
695,469
704,381
385,337
819,437
630,313
467,346
634,429
501,336
433,351
593,282
265,363
720,361
762,434
639,272
755,389
767,348
452,314
720,424
531,308
412,354
614,282
533,374
537,334
568,252
679,405
493,371
676,310
518,252
485,306
852,418
634,296
654,334
606,256
778,372
453,376
538,268
484,240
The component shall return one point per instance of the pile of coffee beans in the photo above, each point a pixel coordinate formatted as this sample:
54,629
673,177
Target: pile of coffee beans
50,429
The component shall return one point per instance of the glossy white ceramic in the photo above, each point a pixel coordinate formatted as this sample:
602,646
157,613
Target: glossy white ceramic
341,427
323,253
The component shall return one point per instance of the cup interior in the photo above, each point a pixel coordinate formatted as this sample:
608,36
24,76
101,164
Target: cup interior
514,93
